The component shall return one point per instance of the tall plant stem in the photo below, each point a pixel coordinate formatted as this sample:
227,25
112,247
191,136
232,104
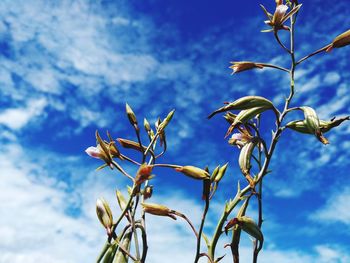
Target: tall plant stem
263,171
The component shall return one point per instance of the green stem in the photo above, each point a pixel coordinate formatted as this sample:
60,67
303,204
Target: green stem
103,252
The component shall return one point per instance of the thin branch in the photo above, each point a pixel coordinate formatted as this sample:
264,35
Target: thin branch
313,54
129,159
120,169
273,66
280,43
187,220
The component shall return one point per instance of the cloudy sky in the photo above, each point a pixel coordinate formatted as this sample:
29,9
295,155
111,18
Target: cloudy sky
68,67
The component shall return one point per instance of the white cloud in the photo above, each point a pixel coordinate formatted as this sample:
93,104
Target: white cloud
336,209
331,78
17,118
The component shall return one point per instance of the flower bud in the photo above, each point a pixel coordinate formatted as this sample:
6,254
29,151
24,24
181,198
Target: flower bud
128,144
193,172
146,125
94,152
214,173
165,122
131,115
159,210
101,151
148,191
221,173
104,214
340,41
121,200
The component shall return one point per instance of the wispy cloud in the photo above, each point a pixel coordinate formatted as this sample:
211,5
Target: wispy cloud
17,118
335,210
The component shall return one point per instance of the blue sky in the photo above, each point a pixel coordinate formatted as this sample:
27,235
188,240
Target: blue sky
68,67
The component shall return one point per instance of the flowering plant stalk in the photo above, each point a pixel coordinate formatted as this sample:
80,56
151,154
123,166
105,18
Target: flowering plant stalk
244,116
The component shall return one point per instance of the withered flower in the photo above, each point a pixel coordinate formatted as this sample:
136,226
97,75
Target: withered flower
143,174
241,138
244,65
277,20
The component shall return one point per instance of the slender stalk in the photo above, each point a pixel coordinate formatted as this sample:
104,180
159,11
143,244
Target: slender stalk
206,208
280,42
126,208
187,220
120,169
129,159
267,65
313,54
166,165
144,242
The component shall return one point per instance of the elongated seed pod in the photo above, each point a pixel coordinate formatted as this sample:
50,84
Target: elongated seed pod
249,226
312,122
244,103
120,256
325,126
299,126
108,257
311,119
244,116
244,160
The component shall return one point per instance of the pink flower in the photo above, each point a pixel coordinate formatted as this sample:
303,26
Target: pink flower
94,152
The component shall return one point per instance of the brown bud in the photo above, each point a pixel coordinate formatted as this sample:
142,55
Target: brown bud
340,41
193,172
147,192
159,210
244,65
